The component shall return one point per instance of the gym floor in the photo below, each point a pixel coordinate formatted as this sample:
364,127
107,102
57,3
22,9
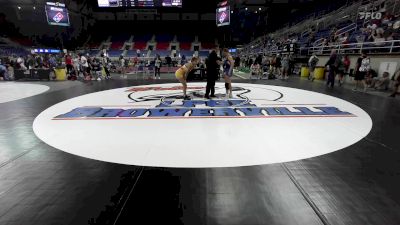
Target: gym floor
39,184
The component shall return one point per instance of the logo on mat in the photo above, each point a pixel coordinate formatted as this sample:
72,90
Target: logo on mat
161,102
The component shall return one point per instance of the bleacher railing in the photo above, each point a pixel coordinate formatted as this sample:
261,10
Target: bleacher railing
384,47
375,47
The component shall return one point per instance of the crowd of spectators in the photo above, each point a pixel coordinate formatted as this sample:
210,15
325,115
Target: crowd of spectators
374,31
86,67
278,66
364,75
27,62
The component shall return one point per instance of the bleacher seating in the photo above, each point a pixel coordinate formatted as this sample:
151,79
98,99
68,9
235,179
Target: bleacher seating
94,45
140,45
9,50
117,45
95,41
115,53
162,53
186,53
203,53
162,45
93,52
185,46
164,38
185,38
131,53
207,45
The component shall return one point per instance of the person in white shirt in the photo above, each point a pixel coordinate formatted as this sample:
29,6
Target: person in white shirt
84,65
21,63
122,66
312,63
75,63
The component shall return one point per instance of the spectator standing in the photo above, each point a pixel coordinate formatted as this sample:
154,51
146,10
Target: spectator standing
84,66
157,67
272,64
285,67
362,67
312,63
237,62
249,62
332,65
21,63
52,62
39,61
339,68
31,62
106,65
97,67
122,66
68,63
168,61
75,61
258,60
278,65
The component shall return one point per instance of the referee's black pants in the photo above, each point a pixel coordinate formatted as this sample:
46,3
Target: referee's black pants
210,86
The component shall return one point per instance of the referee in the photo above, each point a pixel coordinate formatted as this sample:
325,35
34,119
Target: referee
213,63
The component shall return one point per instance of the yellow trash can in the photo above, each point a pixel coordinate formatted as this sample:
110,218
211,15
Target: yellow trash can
319,73
61,74
305,72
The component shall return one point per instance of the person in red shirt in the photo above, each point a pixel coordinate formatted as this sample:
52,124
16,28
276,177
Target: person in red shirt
68,63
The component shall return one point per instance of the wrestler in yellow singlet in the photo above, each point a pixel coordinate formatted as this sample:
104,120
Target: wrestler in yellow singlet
182,73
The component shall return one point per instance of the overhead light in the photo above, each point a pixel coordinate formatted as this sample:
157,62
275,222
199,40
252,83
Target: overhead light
19,7
259,9
256,11
34,7
232,11
246,8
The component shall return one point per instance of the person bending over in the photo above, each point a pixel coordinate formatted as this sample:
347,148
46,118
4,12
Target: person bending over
182,73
